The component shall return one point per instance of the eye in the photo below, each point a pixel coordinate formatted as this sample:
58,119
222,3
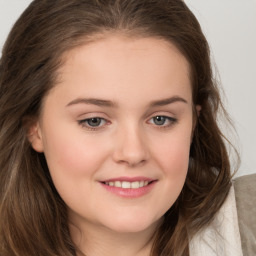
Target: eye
93,123
164,121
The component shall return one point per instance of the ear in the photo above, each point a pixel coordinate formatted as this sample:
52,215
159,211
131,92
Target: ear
195,118
34,136
198,110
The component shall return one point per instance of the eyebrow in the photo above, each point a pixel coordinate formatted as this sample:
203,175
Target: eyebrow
92,101
163,102
108,103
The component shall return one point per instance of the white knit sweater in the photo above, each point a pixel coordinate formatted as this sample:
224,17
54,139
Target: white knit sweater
221,237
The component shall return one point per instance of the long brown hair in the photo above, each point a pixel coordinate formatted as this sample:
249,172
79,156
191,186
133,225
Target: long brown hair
33,217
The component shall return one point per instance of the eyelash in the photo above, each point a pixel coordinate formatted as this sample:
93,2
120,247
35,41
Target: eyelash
171,121
85,122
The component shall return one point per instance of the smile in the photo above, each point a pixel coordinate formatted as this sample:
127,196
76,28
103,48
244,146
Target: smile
127,184
129,187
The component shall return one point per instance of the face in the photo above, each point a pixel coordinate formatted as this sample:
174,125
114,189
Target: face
116,132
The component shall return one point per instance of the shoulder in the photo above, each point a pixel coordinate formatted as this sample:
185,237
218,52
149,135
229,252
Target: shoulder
245,195
221,236
233,229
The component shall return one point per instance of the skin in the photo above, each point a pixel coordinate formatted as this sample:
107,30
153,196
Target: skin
131,74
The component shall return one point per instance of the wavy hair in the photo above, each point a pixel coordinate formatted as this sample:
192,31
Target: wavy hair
34,218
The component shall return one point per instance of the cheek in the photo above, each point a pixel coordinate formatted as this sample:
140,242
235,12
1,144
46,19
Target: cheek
175,169
173,158
177,157
175,165
72,160
73,164
173,153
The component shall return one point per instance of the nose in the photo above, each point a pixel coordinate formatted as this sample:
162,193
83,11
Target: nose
131,147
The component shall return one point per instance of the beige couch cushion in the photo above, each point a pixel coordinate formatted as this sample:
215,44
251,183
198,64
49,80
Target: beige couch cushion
245,192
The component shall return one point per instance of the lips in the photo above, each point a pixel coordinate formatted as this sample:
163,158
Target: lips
129,186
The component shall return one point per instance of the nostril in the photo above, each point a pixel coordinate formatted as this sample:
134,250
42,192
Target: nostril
130,150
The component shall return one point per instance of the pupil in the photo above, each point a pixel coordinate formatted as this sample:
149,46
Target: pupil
94,122
159,120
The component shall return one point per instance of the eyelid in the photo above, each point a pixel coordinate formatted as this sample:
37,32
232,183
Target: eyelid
171,120
92,114
84,123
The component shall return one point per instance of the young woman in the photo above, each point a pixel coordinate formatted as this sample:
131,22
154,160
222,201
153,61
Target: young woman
109,143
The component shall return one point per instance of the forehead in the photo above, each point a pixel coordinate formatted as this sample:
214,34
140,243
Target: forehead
118,65
107,48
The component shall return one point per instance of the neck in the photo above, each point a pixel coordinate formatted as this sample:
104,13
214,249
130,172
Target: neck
101,241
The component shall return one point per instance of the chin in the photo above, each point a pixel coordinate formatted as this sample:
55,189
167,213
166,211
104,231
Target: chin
134,225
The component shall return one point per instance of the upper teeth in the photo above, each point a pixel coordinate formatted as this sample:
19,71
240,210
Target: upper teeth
127,184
